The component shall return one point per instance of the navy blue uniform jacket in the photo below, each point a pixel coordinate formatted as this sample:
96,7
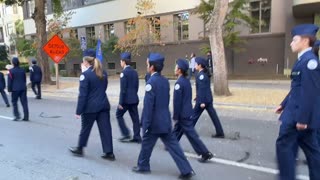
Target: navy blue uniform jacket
35,74
129,85
182,97
17,80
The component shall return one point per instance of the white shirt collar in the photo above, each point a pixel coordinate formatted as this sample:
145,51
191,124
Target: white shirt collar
153,73
304,51
126,66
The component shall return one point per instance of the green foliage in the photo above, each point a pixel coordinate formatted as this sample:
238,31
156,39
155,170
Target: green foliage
3,53
24,66
237,16
12,2
19,28
3,65
111,44
57,8
26,47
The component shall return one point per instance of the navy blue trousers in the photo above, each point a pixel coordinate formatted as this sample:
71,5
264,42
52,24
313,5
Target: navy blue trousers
134,114
36,88
286,148
22,95
171,143
104,126
4,96
186,126
197,111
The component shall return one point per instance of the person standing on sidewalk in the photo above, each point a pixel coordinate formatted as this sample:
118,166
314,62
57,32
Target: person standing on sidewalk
192,65
182,111
204,99
35,78
128,100
17,85
210,62
156,120
93,105
2,87
300,109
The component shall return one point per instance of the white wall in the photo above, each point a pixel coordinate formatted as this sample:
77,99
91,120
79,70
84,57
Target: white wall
115,11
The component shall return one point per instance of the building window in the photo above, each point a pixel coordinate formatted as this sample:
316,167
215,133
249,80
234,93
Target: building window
1,35
73,33
62,66
76,67
12,49
181,23
15,9
10,29
261,12
155,27
31,7
87,2
90,32
108,31
129,26
111,65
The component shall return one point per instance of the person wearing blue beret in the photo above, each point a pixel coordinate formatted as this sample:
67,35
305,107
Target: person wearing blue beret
128,100
156,120
182,111
93,105
300,109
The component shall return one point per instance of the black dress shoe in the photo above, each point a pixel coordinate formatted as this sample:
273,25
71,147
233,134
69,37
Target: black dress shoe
187,176
125,139
137,169
77,151
108,156
25,119
218,136
16,118
205,157
135,141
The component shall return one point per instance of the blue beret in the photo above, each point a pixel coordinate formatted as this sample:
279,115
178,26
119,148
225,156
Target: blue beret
202,61
15,61
125,56
156,57
305,29
317,43
182,64
89,52
34,61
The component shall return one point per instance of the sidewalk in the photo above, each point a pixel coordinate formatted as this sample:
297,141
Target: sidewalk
255,94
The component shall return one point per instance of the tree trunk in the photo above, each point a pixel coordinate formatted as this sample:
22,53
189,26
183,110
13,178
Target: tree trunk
39,18
220,79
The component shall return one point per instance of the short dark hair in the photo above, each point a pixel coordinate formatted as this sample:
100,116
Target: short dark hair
128,62
184,73
157,66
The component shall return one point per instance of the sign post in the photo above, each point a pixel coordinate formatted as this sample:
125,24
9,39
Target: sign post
56,50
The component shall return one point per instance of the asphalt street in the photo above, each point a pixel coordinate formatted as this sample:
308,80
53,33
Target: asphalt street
39,149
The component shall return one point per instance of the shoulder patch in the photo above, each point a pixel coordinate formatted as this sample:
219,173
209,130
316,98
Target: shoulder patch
121,75
201,77
148,87
82,77
177,87
312,64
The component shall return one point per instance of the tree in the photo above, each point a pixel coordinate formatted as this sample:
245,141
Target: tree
39,18
221,18
141,30
217,46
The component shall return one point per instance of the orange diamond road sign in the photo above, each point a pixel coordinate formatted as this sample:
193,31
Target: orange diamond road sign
56,49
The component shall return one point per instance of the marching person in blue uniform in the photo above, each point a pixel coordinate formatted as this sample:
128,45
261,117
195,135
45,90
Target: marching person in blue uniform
129,100
93,105
204,100
2,87
300,109
156,120
17,85
316,48
182,110
35,78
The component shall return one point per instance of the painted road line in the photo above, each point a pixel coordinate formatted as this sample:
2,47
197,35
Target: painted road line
6,117
246,166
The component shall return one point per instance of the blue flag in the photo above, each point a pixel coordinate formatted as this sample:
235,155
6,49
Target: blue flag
99,51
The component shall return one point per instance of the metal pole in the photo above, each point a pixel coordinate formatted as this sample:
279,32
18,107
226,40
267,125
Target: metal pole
57,75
